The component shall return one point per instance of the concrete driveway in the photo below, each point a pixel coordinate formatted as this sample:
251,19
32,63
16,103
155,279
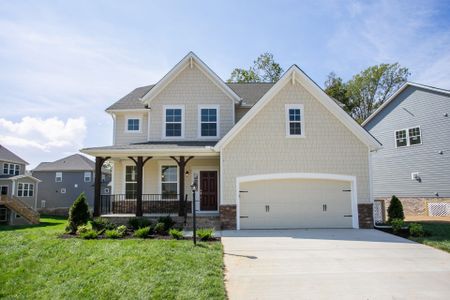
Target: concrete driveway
332,264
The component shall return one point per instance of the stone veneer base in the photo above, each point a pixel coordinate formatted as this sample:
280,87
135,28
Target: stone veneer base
365,215
414,206
228,217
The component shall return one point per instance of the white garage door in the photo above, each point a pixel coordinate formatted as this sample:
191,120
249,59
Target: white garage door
295,203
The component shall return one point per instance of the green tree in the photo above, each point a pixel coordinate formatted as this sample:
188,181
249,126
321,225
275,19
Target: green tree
337,89
395,210
78,213
264,69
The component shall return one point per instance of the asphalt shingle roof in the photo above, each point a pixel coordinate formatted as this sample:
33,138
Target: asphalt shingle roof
6,155
75,162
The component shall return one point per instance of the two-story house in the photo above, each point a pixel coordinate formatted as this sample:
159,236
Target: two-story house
414,127
63,180
279,155
18,190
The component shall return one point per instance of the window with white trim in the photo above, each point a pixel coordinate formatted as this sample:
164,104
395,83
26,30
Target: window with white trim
173,122
408,137
87,176
25,190
3,214
169,182
130,182
11,169
58,177
294,120
208,118
133,124
43,202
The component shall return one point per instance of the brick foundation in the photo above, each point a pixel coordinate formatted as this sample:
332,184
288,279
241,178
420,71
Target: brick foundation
228,217
414,206
365,214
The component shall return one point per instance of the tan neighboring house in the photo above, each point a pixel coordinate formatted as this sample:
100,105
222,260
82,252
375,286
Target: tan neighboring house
18,190
262,155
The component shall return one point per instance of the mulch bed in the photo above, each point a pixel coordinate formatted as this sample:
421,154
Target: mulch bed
404,233
150,237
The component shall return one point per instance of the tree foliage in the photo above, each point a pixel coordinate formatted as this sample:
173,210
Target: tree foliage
78,213
395,210
367,90
264,69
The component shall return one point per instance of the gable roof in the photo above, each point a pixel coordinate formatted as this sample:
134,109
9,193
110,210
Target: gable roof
296,75
398,92
190,60
6,155
75,162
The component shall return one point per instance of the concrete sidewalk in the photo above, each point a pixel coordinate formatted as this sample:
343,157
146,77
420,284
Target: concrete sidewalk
332,264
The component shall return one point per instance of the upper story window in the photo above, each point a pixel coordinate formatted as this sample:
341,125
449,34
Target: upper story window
25,190
133,124
295,126
11,169
58,177
87,176
408,137
173,121
209,121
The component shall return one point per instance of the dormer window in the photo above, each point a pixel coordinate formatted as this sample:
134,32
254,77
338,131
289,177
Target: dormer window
133,125
173,121
208,121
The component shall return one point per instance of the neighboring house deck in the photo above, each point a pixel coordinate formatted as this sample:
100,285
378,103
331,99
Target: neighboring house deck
414,127
17,190
64,180
261,155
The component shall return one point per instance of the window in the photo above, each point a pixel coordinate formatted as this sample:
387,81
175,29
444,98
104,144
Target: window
294,120
169,182
87,176
209,121
3,214
63,190
11,169
43,202
173,125
133,124
408,137
130,182
25,190
58,177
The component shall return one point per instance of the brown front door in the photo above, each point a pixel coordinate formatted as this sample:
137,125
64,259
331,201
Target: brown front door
208,190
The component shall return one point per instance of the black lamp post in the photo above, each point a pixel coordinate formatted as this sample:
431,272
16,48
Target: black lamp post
194,225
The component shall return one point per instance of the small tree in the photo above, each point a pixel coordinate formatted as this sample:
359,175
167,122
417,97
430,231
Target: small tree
78,213
395,210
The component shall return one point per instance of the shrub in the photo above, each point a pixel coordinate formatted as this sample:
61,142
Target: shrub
122,229
205,234
142,232
137,223
176,234
167,221
78,213
82,229
89,234
160,229
99,224
397,225
113,234
416,230
395,210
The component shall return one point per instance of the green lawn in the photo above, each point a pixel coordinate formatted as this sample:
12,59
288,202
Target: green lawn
440,235
35,263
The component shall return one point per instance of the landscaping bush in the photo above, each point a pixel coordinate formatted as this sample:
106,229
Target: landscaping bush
137,223
416,230
89,234
397,225
160,229
99,224
113,234
122,229
176,234
83,229
205,234
78,213
167,221
142,232
395,210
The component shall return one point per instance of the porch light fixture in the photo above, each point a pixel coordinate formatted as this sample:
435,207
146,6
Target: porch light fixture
186,173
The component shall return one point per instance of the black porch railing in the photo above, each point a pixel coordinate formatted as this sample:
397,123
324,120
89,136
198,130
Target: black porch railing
151,204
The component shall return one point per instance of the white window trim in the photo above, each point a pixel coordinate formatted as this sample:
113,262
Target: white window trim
7,189
302,120
90,176
165,108
133,118
199,121
28,189
171,164
408,144
124,186
56,177
14,167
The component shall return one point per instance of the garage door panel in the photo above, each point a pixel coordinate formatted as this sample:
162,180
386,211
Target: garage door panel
295,203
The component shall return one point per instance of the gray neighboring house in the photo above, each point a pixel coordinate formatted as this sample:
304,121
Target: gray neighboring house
64,180
414,164
18,190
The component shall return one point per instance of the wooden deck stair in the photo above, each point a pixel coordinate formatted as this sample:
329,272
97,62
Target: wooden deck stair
21,208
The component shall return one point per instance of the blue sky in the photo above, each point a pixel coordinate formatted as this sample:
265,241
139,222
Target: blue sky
63,62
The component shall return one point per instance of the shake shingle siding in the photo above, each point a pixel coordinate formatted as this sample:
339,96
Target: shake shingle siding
392,167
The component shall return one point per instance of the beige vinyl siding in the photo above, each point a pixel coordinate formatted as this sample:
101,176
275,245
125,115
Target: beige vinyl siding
262,147
190,88
122,137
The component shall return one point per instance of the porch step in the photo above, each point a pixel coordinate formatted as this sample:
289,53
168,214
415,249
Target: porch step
14,204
